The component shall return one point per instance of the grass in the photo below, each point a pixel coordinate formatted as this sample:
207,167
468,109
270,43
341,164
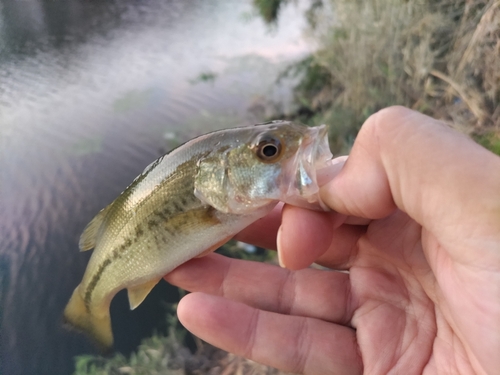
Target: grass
489,140
166,356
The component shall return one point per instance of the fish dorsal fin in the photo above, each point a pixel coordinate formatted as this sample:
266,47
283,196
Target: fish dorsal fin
138,293
88,238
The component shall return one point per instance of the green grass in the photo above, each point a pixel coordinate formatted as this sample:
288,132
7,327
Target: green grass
167,355
490,140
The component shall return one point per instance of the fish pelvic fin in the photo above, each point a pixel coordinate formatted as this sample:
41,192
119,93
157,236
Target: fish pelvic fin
97,326
138,293
88,239
213,247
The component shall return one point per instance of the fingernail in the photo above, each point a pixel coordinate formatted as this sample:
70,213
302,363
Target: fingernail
278,245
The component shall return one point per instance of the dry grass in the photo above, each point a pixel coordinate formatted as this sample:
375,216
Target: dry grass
439,57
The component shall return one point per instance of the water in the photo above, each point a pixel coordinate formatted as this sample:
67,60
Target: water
90,93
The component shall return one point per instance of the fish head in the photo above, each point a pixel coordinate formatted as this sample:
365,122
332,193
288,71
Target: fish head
262,165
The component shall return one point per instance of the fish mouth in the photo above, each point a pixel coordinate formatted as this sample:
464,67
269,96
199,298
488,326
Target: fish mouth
313,154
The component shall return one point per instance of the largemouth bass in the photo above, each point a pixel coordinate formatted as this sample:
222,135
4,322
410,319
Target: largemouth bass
186,204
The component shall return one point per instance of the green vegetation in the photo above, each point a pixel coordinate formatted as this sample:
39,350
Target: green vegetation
156,355
269,9
206,77
490,140
234,249
167,355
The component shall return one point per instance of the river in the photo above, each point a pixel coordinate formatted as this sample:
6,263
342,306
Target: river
90,93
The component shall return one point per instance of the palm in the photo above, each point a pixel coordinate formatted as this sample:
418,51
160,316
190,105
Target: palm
404,319
393,314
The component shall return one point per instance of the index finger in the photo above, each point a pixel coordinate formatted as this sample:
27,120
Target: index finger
263,232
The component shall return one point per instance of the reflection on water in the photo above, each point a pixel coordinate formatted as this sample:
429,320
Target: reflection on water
90,93
4,284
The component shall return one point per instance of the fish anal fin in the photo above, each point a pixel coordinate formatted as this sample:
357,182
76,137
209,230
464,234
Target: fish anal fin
88,238
96,324
214,247
138,293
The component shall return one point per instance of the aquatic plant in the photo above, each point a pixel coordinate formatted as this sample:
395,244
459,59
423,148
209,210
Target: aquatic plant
204,77
269,9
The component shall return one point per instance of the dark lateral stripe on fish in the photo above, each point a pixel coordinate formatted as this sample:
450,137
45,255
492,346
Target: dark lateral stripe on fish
174,224
139,231
116,253
168,215
168,212
94,281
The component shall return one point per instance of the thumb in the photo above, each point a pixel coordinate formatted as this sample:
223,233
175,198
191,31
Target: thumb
403,159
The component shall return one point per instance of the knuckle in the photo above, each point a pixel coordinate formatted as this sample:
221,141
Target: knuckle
303,347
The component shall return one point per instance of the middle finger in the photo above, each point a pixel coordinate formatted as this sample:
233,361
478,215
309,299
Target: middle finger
319,294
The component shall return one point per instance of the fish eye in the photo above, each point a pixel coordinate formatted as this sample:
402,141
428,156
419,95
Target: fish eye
269,149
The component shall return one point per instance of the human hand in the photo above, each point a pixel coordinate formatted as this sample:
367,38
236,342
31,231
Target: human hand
416,222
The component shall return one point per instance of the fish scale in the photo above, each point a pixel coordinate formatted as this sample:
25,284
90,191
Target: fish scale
186,203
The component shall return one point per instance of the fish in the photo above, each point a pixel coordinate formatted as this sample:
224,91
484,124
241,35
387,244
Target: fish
188,203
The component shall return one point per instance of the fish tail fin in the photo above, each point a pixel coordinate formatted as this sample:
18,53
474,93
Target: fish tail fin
97,326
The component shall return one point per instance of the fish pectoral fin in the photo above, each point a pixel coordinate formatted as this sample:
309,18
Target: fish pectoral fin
138,293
